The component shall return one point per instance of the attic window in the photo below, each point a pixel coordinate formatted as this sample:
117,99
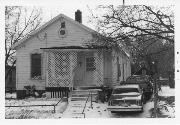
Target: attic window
62,30
63,25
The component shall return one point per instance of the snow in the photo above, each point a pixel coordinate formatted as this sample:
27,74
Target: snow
129,93
166,91
132,98
37,112
9,95
99,110
166,109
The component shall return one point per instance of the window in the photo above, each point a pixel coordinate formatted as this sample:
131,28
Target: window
36,66
62,30
63,25
90,64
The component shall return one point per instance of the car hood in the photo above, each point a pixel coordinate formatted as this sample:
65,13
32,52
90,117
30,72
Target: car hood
126,96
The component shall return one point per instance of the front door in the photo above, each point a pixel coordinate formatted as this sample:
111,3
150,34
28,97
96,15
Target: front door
84,72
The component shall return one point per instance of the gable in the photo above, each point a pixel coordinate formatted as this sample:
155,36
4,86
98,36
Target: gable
76,33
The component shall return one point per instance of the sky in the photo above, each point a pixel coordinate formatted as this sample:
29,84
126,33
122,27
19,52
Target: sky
52,8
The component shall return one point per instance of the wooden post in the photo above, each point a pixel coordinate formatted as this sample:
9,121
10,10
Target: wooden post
91,99
54,109
155,97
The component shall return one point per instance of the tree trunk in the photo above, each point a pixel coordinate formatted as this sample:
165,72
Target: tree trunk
7,74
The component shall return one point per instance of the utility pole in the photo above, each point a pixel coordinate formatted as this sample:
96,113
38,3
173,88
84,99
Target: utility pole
155,87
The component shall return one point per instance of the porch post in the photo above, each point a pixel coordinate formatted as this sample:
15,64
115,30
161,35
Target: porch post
73,64
46,69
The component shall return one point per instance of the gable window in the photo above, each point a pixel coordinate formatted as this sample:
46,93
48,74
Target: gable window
63,25
90,64
36,66
62,30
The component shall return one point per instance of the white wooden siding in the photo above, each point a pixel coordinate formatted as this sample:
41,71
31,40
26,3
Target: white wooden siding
76,36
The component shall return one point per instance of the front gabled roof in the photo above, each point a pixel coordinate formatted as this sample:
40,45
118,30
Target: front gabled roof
15,45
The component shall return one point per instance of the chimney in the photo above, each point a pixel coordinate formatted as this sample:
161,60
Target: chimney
78,16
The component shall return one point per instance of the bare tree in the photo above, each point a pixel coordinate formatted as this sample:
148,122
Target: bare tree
141,28
147,30
19,22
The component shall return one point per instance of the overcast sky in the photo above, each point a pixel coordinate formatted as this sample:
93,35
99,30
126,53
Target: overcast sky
52,8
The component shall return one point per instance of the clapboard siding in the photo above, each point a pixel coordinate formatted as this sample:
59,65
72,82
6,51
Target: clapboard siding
76,36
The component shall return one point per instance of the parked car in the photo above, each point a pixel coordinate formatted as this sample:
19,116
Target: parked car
126,98
144,81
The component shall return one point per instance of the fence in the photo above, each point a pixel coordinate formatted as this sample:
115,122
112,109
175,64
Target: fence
58,92
53,105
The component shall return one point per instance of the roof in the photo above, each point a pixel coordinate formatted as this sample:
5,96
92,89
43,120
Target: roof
126,86
14,46
79,47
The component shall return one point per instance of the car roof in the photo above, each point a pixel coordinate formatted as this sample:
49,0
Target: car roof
126,86
139,76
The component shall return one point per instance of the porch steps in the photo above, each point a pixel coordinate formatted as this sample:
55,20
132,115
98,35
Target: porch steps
77,102
77,95
74,109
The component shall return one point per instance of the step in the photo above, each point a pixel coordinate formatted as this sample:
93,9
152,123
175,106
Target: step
78,98
83,95
87,90
84,92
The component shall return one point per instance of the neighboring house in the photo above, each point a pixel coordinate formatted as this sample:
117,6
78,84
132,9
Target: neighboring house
56,56
10,82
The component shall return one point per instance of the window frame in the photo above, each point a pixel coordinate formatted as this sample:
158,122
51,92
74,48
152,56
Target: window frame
31,69
63,23
90,68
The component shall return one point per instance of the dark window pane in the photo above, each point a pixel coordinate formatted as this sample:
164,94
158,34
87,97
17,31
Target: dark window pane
63,25
62,32
35,65
90,64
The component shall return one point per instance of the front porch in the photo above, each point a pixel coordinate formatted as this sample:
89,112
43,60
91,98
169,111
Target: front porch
73,68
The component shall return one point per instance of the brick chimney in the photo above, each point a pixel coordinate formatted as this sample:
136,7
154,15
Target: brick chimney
78,16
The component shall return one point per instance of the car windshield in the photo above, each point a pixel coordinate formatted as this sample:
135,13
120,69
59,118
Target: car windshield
137,79
125,90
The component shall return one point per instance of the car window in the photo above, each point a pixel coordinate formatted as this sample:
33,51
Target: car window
137,79
125,90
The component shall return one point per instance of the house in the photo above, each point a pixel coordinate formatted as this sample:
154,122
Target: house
57,57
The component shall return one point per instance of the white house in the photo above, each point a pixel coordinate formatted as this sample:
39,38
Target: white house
58,55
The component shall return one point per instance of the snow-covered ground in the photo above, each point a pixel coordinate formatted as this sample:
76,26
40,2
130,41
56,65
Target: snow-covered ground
167,107
9,95
37,112
99,109
166,91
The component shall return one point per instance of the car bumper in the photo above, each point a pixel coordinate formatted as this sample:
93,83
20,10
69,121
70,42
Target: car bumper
121,108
